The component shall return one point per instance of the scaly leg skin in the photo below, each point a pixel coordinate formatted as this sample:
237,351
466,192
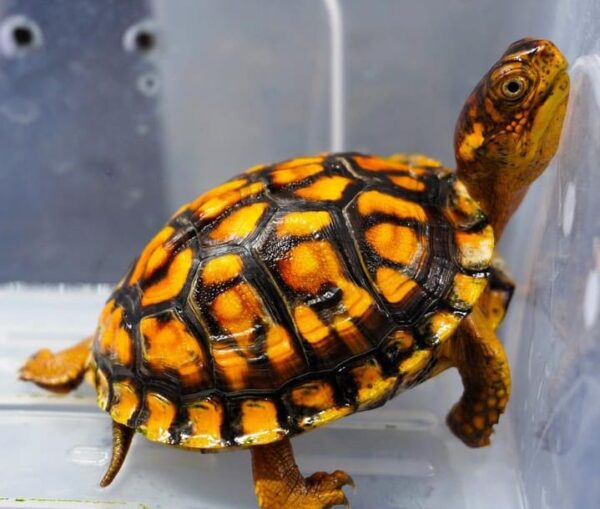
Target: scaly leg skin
279,484
481,361
497,296
58,372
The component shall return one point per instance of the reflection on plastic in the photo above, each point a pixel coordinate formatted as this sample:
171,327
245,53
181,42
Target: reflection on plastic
556,412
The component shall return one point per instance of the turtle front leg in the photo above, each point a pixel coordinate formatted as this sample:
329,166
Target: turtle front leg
479,356
58,372
279,484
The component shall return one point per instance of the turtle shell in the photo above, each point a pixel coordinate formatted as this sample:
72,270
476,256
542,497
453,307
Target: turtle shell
290,296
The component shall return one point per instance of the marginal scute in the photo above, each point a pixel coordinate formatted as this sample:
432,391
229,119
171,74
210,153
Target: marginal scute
125,401
102,390
412,367
203,427
159,415
154,254
437,327
398,346
475,250
466,290
460,209
112,338
317,394
316,404
259,423
372,385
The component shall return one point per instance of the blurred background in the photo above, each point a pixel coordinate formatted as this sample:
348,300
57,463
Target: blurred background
113,113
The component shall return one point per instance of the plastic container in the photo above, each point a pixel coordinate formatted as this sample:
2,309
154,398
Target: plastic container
111,115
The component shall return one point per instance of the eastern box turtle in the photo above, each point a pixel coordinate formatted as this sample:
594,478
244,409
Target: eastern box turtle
300,292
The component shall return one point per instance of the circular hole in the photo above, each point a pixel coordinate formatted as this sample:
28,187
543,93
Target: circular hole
23,36
19,35
145,41
140,37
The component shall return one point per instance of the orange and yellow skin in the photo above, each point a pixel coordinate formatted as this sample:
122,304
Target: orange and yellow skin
298,293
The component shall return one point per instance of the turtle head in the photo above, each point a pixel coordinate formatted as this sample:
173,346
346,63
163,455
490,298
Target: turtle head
510,126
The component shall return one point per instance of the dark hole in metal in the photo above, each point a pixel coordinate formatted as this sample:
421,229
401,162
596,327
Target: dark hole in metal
23,36
145,40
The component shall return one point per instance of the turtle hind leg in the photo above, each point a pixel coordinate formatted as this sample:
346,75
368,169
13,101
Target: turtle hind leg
58,372
478,355
279,484
122,436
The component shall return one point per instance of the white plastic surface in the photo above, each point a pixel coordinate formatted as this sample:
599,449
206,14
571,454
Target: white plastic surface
57,447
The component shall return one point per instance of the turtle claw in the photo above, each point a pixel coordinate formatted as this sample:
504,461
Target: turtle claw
328,487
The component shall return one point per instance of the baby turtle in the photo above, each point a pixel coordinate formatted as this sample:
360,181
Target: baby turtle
301,292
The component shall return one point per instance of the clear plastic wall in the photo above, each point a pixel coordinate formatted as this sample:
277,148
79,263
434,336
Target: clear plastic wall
113,113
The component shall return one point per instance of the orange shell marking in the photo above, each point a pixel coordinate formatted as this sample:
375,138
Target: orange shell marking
219,203
409,183
161,413
125,402
259,423
310,326
466,291
222,269
153,256
475,250
372,385
376,202
171,285
114,340
286,175
303,223
168,344
393,285
239,224
398,244
379,164
205,419
325,189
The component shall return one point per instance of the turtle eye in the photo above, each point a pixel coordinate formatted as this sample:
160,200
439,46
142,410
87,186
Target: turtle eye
513,87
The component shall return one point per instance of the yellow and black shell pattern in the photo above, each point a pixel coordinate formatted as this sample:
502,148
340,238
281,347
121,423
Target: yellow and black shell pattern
290,296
